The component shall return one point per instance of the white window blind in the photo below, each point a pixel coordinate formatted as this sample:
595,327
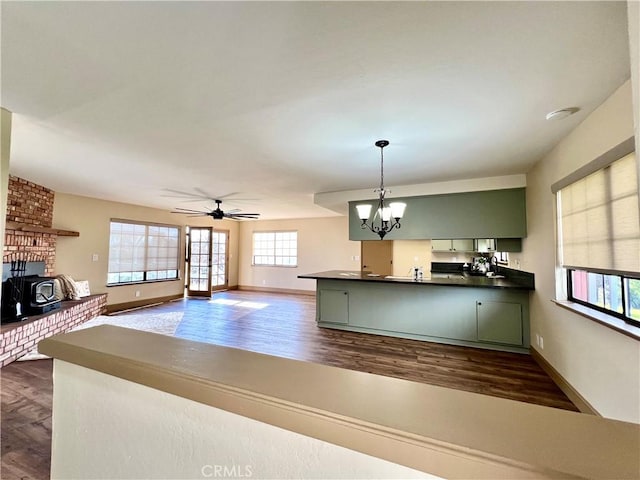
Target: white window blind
600,220
142,252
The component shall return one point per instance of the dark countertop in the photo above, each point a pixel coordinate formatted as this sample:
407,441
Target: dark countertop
450,280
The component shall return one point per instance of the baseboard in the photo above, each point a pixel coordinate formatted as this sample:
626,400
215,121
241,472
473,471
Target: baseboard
119,307
578,400
276,290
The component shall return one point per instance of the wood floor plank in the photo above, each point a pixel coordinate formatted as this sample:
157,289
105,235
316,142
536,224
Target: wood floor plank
282,325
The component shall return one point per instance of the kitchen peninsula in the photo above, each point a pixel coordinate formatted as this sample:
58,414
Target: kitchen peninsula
482,312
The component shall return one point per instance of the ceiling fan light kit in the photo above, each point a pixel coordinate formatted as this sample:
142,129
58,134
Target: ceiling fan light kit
388,216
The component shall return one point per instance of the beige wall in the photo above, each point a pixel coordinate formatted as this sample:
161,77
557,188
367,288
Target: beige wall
5,150
141,432
411,253
91,217
323,244
601,364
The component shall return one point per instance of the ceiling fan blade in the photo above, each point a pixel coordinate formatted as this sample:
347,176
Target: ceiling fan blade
191,214
189,210
241,215
181,194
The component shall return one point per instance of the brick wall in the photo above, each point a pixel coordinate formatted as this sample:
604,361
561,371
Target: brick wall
32,204
16,339
29,203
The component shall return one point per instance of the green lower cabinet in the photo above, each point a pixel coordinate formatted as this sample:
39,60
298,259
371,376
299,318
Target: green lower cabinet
500,322
481,317
333,306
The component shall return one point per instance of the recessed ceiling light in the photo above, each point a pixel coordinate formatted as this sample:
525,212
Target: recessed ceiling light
562,113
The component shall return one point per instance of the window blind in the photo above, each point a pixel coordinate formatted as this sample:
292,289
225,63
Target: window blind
600,220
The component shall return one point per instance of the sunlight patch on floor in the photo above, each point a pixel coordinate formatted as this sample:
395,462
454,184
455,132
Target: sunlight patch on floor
238,303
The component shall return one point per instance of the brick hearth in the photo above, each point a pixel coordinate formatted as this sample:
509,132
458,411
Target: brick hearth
16,339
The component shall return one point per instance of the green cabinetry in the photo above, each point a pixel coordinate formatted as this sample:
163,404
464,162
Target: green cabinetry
499,322
488,214
454,245
333,306
491,318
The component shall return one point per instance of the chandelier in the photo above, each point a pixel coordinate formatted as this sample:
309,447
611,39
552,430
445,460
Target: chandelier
388,217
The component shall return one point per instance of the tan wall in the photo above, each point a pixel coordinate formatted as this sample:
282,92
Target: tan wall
601,364
323,244
5,150
411,253
91,218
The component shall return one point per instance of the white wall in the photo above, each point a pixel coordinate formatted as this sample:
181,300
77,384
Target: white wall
601,364
5,147
106,427
323,244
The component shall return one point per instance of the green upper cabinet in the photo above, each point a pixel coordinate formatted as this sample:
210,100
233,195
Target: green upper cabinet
454,245
488,214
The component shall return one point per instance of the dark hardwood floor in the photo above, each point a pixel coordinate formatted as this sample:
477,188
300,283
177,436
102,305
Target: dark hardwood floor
282,325
26,420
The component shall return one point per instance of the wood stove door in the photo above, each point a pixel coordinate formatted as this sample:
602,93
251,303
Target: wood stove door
199,261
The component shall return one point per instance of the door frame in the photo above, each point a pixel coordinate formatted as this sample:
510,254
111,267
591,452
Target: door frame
187,265
225,286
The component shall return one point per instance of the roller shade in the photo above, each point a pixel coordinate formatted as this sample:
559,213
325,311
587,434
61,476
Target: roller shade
600,220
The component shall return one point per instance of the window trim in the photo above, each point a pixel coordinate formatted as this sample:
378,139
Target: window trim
622,276
272,265
145,280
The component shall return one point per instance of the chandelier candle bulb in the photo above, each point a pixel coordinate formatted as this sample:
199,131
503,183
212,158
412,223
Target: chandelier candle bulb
397,209
364,211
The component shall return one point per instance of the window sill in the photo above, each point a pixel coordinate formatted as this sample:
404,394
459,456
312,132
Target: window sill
602,318
274,266
141,282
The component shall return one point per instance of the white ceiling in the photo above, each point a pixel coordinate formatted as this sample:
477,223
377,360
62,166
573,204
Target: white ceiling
281,100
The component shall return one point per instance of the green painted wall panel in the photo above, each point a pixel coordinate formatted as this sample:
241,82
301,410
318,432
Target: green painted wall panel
488,214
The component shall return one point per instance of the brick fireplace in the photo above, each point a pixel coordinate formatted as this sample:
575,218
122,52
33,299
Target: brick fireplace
30,236
30,205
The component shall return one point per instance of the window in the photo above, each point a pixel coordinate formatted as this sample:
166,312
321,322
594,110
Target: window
599,239
275,249
142,252
617,295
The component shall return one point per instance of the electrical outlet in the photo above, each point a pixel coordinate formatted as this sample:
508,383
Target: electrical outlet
94,257
264,282
541,342
537,340
137,293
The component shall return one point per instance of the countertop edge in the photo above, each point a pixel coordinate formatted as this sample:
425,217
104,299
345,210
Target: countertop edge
468,282
110,350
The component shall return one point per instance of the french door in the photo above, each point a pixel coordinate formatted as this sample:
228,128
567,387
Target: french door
220,260
199,261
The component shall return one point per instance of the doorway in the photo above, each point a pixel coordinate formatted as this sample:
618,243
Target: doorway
220,260
377,256
198,264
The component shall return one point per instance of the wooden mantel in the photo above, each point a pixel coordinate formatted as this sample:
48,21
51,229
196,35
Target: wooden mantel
26,227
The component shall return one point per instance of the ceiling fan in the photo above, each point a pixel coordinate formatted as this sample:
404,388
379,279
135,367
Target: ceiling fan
217,213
